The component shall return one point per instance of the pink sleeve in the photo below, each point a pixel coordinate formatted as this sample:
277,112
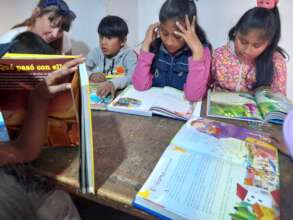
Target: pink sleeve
142,79
198,76
280,76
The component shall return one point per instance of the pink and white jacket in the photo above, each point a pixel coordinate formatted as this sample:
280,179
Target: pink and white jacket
229,73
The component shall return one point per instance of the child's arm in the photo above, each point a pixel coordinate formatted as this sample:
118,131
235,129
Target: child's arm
142,78
280,76
198,76
129,63
93,61
28,144
199,64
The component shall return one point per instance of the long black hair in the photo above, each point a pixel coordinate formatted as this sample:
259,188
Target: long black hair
268,21
176,10
29,42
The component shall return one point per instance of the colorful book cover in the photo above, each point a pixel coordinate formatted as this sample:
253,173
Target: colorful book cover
213,170
3,130
18,77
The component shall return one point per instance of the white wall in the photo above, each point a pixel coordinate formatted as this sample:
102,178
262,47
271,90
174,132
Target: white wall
127,9
216,17
84,30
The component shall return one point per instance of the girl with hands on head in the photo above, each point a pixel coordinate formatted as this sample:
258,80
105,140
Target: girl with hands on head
175,52
151,35
189,35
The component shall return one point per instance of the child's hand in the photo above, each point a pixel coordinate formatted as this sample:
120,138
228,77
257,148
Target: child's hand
150,36
54,83
98,77
104,88
190,37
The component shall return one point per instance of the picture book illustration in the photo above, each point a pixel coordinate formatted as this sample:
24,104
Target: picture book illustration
98,102
3,130
272,102
17,79
213,170
263,105
127,102
231,105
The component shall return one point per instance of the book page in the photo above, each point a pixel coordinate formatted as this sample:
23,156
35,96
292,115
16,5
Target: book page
132,100
184,183
172,100
232,105
269,102
229,149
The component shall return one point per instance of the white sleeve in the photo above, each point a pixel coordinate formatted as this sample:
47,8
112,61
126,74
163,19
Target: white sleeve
11,34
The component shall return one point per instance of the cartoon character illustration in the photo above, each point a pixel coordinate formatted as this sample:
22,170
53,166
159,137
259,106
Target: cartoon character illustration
243,211
218,129
222,130
251,108
260,179
257,201
253,195
128,102
256,212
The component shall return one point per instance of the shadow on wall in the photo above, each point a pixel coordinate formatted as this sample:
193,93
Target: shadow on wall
79,47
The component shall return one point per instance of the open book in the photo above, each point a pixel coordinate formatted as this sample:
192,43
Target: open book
212,170
69,118
98,102
167,101
263,106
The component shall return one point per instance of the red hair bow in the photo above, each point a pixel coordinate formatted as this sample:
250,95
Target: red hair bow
269,4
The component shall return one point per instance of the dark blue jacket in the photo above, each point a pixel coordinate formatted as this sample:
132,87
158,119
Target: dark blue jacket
170,70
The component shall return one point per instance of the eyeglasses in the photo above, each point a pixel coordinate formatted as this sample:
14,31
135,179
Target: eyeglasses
63,8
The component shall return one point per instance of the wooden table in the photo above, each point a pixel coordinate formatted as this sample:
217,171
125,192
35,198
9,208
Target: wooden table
127,148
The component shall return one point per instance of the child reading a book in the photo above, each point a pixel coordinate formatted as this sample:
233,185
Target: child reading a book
111,65
50,20
252,57
175,52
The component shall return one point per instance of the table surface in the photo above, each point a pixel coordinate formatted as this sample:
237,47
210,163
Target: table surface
126,149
